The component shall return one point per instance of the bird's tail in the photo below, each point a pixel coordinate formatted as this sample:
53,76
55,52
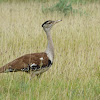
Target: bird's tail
3,68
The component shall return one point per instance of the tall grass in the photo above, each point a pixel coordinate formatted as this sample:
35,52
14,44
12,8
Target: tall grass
66,6
18,1
48,0
76,69
63,6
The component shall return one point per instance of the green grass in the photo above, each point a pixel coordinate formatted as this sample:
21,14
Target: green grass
75,72
63,6
67,7
74,1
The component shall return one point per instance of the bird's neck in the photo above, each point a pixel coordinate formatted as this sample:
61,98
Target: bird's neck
50,47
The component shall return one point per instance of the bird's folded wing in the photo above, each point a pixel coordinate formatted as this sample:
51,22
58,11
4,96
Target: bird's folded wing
24,63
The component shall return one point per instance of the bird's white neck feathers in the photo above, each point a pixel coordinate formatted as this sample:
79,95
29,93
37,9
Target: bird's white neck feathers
50,48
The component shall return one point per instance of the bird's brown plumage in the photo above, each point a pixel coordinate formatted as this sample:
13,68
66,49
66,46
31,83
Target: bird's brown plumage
24,62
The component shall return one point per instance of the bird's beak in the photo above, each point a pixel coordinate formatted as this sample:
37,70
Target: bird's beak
57,21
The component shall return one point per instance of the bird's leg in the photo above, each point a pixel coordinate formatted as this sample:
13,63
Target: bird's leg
32,76
38,75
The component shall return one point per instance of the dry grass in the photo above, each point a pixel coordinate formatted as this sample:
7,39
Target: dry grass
76,70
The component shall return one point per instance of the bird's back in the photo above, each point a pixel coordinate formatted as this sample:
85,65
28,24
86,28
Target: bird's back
33,62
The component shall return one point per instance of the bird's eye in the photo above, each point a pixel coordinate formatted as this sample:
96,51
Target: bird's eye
49,22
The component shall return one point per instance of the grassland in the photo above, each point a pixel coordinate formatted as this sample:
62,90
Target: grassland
75,74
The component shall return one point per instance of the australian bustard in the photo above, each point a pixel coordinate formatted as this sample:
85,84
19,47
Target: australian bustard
35,63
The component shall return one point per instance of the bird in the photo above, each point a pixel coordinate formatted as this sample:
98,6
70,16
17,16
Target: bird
34,63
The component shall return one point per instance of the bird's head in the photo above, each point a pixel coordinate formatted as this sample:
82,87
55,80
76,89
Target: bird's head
48,24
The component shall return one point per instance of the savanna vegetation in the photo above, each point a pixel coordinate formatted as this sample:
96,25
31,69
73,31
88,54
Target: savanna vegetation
75,74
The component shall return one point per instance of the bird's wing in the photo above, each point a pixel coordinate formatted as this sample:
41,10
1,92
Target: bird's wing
25,63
